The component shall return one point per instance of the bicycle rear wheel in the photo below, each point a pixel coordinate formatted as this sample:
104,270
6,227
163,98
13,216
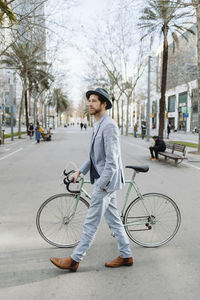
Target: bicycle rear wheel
155,229
58,224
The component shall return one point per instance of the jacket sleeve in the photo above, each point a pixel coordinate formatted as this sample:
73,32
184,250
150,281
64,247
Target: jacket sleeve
85,167
112,149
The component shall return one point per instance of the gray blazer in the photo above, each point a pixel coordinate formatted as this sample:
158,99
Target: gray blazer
106,155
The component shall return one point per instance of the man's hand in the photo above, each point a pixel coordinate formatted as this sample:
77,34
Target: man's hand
75,175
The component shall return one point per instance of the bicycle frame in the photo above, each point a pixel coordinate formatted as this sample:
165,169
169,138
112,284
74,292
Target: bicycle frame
132,184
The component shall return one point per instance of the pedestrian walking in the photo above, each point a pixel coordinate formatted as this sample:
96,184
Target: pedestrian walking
159,146
31,130
38,131
106,174
81,125
143,130
135,130
168,130
85,126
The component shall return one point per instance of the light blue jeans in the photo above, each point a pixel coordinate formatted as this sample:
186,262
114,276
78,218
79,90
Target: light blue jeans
102,204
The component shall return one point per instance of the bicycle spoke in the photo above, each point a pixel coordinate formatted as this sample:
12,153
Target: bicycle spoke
159,226
58,223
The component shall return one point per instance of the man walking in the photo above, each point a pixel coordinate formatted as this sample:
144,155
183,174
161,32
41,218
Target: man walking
106,174
168,130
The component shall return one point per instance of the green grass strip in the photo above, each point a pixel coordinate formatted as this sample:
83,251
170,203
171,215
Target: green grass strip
188,144
191,145
8,135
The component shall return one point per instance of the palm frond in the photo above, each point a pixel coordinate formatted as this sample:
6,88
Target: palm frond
163,12
5,9
175,41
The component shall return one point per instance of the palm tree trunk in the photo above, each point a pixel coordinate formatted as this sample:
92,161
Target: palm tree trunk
26,103
198,66
20,114
29,101
163,82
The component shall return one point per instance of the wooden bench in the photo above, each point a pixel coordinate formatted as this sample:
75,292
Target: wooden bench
174,151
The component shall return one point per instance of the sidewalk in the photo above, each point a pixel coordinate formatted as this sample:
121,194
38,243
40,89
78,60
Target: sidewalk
174,136
8,141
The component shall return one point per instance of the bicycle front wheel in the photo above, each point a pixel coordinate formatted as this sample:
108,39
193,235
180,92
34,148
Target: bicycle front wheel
60,222
153,221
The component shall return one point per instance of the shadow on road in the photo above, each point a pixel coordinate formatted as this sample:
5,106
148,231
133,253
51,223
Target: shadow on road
28,266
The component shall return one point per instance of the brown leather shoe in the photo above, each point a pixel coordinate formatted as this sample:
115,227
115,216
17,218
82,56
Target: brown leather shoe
65,263
119,261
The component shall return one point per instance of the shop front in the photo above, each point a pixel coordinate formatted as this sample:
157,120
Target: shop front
171,110
194,110
182,112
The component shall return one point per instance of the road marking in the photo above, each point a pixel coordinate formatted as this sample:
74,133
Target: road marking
187,164
11,154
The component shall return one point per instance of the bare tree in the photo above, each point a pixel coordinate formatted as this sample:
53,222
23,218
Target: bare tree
117,54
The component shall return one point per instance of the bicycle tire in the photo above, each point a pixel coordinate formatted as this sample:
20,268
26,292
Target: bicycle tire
166,216
55,222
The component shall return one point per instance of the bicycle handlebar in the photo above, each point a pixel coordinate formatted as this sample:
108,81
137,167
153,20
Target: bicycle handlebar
67,174
68,181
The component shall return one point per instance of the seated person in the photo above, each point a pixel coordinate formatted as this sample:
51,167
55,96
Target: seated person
159,146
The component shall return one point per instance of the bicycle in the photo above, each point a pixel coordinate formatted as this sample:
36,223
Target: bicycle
150,220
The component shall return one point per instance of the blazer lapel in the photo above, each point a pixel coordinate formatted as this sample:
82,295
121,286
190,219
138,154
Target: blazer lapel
97,129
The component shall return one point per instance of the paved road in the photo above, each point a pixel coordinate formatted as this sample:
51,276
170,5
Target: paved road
29,173
174,136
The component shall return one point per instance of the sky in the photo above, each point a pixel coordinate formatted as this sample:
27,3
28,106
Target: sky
73,27
71,60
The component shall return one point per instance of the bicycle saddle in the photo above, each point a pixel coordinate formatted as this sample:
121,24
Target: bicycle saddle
139,169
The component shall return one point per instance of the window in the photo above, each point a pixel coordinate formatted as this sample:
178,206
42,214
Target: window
171,103
183,99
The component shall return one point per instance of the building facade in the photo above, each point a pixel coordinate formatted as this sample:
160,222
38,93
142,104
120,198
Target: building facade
181,93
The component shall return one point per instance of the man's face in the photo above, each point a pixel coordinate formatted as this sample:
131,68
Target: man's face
95,105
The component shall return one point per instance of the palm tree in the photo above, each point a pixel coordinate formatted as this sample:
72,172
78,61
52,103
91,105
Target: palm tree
60,101
39,82
164,17
6,10
26,59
